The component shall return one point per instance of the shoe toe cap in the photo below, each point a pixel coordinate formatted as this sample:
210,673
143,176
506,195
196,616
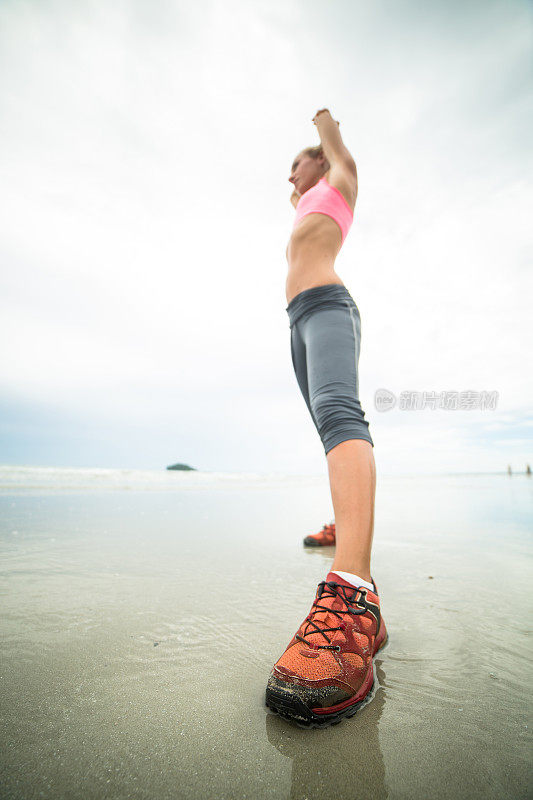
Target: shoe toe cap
304,693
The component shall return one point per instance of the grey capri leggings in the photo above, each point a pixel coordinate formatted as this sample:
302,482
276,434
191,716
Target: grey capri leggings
325,343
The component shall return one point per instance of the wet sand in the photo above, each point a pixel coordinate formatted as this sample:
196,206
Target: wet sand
141,620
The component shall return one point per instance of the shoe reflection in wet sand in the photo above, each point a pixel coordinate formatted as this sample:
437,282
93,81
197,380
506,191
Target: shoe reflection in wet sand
341,761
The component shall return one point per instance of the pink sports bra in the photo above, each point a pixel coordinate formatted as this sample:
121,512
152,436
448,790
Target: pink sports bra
323,198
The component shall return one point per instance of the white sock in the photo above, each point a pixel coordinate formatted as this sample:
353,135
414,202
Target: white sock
355,580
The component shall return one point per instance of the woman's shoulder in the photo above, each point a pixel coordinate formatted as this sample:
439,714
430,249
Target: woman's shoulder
344,179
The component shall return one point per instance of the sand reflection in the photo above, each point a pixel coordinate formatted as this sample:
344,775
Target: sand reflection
343,761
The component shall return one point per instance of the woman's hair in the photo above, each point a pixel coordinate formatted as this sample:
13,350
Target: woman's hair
315,152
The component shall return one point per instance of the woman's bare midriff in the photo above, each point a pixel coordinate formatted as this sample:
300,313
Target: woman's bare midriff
311,254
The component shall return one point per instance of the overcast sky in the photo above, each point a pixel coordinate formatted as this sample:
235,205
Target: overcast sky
145,150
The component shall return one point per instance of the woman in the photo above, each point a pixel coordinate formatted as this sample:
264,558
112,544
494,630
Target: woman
326,669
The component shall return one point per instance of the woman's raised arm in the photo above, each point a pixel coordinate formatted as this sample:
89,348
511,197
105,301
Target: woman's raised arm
330,137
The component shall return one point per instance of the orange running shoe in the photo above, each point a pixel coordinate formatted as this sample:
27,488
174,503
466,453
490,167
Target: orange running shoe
323,538
326,670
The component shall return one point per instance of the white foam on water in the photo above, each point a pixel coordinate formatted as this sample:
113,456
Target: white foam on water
34,478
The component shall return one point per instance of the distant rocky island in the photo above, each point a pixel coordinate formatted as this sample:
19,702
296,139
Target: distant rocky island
182,466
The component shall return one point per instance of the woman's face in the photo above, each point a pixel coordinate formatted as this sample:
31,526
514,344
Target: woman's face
306,171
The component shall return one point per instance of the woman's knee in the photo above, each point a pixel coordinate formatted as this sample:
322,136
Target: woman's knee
339,416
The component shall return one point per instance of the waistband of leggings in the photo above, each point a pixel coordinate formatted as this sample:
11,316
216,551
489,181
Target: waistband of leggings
329,295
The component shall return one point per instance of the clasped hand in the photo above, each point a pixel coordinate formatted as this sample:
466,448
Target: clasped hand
320,112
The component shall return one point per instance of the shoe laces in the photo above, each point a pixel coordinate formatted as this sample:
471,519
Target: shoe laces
330,589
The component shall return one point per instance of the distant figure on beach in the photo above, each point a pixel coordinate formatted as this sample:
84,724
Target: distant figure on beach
509,471
326,669
528,469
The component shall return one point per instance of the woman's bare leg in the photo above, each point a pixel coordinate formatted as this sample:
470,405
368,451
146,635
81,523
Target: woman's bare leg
352,477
